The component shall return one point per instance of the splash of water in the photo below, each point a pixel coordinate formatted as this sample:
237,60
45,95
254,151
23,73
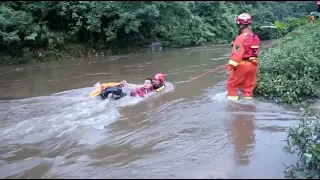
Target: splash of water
60,114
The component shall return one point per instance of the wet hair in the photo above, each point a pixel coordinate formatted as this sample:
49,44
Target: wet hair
149,80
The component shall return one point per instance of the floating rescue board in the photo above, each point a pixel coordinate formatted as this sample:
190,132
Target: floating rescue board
97,91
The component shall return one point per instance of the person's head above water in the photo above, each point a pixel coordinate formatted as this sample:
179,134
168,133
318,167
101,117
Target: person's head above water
147,83
158,79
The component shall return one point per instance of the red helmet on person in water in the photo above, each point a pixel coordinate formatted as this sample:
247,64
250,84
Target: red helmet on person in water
244,19
159,77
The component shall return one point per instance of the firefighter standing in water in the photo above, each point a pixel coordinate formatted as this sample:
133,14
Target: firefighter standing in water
243,63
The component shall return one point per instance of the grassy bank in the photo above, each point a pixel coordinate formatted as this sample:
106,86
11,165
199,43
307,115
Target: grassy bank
289,73
45,30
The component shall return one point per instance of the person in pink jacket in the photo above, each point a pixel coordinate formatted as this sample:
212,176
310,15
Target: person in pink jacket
146,88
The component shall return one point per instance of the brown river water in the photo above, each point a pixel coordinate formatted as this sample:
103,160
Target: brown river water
51,129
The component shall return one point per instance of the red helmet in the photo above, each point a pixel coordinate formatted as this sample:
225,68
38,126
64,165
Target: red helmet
159,77
244,19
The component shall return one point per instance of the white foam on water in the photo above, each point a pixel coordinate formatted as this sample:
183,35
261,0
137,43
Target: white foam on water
130,101
220,97
219,94
54,118
60,114
217,59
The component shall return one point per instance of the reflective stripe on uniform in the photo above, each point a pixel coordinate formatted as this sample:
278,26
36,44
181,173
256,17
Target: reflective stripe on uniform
247,97
160,89
233,97
233,63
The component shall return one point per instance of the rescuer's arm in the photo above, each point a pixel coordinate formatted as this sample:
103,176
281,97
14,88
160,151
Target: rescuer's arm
236,52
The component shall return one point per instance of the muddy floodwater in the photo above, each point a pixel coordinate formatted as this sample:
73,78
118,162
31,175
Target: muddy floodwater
50,129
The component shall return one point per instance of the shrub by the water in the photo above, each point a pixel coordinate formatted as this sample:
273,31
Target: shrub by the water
304,140
289,72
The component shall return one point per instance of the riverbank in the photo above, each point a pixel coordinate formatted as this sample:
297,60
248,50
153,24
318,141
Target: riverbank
47,30
289,74
74,51
289,71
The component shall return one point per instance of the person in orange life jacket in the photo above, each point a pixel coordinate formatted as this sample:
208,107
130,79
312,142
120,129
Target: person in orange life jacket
146,88
158,82
242,66
156,85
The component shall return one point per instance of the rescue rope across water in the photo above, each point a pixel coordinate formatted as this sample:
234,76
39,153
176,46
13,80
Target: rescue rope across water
217,68
267,46
212,70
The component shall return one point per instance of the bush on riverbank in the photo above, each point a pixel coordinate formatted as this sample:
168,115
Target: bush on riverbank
304,140
289,71
30,28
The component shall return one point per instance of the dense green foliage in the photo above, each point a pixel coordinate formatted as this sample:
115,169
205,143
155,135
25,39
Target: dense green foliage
284,28
289,71
304,140
40,29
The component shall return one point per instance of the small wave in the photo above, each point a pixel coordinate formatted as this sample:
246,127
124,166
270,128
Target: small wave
195,66
174,73
216,59
94,74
